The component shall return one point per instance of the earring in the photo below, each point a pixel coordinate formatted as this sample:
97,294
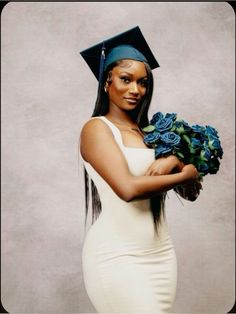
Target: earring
105,89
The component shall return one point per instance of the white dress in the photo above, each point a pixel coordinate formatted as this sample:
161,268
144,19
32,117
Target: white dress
127,267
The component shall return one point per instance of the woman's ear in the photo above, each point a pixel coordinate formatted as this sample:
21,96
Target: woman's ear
108,81
106,87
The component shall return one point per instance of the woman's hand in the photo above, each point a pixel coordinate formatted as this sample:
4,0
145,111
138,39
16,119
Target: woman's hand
171,164
190,172
165,165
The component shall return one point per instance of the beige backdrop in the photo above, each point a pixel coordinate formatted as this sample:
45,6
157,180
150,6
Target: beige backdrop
48,92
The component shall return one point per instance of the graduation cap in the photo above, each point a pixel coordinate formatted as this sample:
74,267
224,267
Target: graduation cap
127,45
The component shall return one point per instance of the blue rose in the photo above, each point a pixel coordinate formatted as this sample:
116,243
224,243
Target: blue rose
211,131
171,116
151,138
162,149
194,145
203,168
171,138
163,125
181,127
198,128
205,154
199,145
156,117
213,142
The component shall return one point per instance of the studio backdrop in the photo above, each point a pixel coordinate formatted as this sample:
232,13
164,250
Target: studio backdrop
48,93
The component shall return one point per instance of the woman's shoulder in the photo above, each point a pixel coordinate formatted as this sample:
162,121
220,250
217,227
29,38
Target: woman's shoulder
93,124
94,134
94,127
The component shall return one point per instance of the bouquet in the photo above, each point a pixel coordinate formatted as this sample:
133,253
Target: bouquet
196,144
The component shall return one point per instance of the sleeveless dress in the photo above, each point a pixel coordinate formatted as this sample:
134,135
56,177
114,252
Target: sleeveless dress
127,267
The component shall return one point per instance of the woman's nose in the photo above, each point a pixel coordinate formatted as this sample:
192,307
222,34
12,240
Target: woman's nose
134,88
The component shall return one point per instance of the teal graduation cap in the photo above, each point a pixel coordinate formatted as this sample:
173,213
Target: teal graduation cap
130,44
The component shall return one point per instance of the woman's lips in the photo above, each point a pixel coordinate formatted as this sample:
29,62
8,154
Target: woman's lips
132,100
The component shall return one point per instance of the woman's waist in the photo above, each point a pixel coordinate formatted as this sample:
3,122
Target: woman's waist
133,215
125,221
128,233
110,201
125,248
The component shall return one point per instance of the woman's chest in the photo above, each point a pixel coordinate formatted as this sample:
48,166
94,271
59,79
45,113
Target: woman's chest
138,159
132,138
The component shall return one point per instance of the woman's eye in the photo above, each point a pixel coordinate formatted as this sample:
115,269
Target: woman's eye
125,79
144,83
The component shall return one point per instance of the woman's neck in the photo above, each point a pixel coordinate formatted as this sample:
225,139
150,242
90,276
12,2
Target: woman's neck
121,117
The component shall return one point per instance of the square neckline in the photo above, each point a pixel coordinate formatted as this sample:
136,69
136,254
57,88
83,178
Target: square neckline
126,147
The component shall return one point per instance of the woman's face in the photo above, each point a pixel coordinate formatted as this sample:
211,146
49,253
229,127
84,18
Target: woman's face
128,84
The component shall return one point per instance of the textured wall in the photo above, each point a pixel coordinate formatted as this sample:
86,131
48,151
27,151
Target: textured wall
48,93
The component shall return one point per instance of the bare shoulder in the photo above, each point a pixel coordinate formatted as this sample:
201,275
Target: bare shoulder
94,130
95,135
93,125
99,148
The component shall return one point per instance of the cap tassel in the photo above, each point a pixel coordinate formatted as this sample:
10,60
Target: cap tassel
102,61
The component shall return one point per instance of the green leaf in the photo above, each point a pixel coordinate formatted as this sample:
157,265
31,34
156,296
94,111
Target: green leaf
192,160
186,138
192,150
148,129
201,175
180,155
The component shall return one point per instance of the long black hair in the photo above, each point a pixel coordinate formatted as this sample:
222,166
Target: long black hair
140,116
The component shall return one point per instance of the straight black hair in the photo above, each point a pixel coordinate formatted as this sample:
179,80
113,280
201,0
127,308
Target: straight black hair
140,116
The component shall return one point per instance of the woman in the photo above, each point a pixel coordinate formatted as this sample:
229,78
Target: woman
129,263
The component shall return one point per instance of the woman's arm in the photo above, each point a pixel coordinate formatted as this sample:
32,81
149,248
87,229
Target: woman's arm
165,165
172,164
98,147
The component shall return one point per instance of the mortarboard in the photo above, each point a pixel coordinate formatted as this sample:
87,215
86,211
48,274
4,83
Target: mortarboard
127,45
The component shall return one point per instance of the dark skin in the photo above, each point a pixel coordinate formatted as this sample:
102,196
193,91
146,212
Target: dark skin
164,165
125,90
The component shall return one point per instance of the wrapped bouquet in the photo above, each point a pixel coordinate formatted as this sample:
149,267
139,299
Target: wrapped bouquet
196,144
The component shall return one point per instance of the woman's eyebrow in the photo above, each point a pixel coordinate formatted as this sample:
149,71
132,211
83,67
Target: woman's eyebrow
131,74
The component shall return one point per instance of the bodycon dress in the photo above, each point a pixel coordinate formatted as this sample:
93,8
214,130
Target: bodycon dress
127,267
